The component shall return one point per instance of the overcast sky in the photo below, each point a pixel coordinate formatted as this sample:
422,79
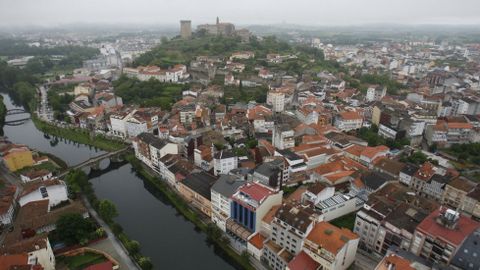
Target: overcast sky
305,12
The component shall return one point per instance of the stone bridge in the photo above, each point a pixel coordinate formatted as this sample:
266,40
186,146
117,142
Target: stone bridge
94,162
16,111
16,122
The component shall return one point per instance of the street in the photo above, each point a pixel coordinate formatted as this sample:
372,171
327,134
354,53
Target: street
44,111
123,257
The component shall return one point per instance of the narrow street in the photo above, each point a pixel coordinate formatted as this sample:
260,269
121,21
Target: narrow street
124,259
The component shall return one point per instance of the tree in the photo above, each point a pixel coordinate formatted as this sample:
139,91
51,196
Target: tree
100,232
107,210
72,228
145,263
133,247
76,181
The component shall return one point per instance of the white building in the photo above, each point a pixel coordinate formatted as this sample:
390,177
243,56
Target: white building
118,123
36,175
336,206
221,193
54,190
135,126
459,106
333,248
283,136
348,120
149,149
291,225
406,174
276,100
224,161
375,92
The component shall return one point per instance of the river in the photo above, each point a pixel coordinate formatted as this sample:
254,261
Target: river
145,215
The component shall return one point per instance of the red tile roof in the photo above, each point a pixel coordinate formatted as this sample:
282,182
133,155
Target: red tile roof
303,262
257,240
350,116
465,227
425,172
8,262
256,191
330,237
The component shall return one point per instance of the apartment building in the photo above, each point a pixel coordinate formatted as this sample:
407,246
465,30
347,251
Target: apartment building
348,120
439,236
221,197
149,149
331,247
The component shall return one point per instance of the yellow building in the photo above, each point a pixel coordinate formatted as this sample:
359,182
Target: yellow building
18,158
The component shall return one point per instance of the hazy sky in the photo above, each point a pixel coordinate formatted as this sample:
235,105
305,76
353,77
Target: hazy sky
306,12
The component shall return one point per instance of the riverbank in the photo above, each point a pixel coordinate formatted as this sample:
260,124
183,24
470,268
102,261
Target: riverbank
3,114
182,207
78,135
79,183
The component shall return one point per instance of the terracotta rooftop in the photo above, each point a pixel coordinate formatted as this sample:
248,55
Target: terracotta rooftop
9,262
35,185
7,197
465,227
257,240
256,192
425,172
393,261
270,214
350,115
462,184
330,237
303,262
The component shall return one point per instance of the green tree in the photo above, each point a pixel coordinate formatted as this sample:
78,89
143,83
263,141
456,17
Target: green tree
76,181
145,263
133,247
73,229
107,210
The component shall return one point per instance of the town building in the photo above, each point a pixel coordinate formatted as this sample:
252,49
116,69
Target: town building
283,136
331,247
349,120
467,256
55,190
448,131
456,191
195,188
8,194
17,157
224,161
221,197
150,149
276,100
291,224
249,205
440,235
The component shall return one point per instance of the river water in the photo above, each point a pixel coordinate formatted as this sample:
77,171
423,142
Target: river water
145,215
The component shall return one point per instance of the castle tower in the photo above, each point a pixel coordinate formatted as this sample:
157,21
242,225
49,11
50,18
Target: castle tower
185,28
